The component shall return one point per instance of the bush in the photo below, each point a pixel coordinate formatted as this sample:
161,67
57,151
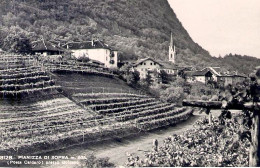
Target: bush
173,95
92,161
132,78
83,59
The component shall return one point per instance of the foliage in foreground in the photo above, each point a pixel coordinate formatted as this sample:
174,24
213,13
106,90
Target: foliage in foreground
93,161
204,145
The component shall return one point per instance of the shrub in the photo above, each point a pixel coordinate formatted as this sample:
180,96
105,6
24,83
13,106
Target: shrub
92,161
173,95
83,59
132,78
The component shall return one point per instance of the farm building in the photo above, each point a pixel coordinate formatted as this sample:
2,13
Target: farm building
95,50
216,71
169,67
201,76
153,67
225,80
46,48
213,74
146,65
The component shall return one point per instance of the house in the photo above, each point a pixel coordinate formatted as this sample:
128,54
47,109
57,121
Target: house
150,65
145,66
169,68
225,80
216,71
46,48
203,76
95,50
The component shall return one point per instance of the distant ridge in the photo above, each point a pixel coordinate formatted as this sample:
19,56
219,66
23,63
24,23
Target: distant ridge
135,28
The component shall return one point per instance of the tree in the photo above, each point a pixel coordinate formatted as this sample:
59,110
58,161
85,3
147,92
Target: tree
125,69
164,76
132,78
17,44
148,79
173,95
247,99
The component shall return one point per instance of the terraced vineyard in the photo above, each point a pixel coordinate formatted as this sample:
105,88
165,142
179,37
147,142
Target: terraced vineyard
32,111
117,101
72,65
20,75
143,112
85,108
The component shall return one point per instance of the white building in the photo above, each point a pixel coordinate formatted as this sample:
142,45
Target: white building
95,50
202,76
143,66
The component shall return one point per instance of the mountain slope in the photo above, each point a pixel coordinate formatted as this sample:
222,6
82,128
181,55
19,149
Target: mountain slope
137,28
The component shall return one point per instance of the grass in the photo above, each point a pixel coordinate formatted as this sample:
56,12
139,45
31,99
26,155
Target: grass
73,83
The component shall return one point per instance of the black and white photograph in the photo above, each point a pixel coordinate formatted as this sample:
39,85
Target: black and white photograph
129,83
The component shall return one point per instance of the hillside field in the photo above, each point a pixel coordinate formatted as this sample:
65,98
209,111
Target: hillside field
44,109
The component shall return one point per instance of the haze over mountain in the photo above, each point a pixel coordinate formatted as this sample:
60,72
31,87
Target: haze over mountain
233,30
137,28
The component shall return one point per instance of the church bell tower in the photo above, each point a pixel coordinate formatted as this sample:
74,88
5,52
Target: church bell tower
172,51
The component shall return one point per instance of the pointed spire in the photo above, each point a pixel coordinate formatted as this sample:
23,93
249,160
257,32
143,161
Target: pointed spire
171,43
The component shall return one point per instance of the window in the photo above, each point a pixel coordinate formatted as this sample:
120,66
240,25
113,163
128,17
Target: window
141,63
155,63
151,63
144,63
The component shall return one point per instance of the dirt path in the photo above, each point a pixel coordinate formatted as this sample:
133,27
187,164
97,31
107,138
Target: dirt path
116,150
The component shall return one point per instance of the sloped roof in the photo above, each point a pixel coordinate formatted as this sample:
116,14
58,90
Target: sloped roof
43,45
145,59
187,68
233,75
197,73
168,65
201,73
189,73
87,45
215,70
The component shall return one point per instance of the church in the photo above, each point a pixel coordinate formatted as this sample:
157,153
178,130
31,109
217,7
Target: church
149,65
172,51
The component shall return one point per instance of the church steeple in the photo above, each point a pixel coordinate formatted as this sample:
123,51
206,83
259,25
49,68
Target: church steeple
172,51
171,43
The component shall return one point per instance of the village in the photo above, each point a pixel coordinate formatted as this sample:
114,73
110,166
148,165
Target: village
79,93
106,56
72,98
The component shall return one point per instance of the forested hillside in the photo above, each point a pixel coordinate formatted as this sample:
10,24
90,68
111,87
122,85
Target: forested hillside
137,28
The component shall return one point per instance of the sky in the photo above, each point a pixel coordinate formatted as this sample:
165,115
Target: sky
222,26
